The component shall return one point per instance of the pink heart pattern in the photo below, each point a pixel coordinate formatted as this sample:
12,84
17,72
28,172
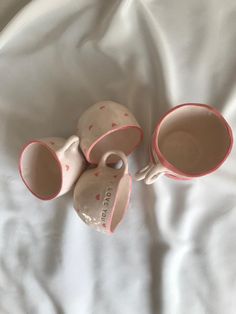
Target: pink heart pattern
98,197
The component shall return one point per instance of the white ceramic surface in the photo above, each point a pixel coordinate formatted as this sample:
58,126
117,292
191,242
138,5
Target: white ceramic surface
49,167
102,194
107,126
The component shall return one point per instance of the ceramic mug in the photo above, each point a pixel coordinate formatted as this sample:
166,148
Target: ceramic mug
108,126
190,141
49,167
102,194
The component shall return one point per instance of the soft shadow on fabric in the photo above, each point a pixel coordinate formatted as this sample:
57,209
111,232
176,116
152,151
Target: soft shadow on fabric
9,10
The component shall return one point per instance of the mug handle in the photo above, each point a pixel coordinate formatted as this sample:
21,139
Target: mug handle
150,173
69,142
141,174
122,156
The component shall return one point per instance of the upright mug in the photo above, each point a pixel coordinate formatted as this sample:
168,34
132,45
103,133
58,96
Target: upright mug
190,141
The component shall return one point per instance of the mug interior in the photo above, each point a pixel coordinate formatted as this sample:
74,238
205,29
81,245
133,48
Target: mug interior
194,139
41,170
124,139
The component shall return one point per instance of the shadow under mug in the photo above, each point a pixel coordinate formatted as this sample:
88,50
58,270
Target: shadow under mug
49,167
191,140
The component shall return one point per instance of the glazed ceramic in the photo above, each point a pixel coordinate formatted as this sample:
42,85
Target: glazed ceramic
190,141
106,126
102,194
49,167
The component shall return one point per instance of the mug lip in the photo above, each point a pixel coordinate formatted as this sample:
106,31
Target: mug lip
54,155
108,228
88,152
170,166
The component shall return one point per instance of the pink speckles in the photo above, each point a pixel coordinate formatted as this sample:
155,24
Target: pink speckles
98,196
113,124
52,143
102,107
96,174
126,114
67,167
90,127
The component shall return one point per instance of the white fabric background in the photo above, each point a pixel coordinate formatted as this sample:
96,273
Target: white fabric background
175,251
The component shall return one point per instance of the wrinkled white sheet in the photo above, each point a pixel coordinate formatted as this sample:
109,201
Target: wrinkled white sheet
175,252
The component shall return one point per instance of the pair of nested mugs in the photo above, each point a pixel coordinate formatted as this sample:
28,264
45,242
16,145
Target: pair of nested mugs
191,140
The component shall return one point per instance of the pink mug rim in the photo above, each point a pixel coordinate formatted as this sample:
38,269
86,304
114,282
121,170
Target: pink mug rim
108,228
54,155
88,152
171,167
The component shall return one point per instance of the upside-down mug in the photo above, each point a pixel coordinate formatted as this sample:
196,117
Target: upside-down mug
191,140
107,126
49,167
102,194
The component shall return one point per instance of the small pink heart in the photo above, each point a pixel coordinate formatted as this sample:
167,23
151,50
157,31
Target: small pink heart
126,114
90,127
52,143
102,107
114,124
98,197
67,167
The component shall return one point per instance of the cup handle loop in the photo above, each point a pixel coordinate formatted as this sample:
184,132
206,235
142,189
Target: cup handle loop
141,174
150,173
154,172
71,141
122,156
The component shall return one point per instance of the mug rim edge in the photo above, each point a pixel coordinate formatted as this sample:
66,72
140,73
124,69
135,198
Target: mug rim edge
170,166
57,160
88,152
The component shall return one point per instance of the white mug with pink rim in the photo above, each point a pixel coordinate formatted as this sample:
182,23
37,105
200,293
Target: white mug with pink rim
102,194
191,140
106,126
49,167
